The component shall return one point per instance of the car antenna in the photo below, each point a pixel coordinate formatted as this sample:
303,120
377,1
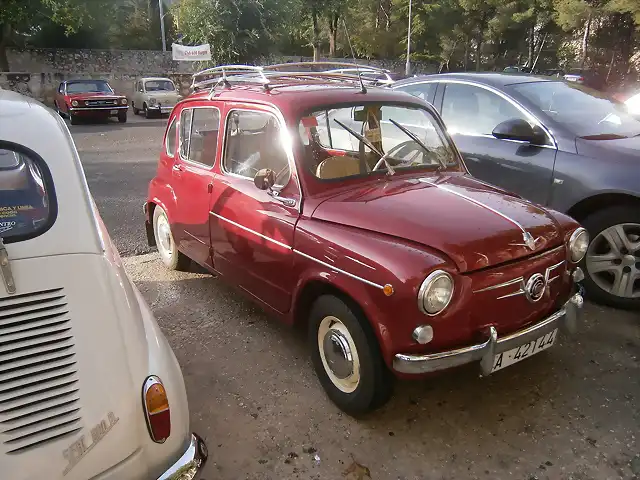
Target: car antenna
362,87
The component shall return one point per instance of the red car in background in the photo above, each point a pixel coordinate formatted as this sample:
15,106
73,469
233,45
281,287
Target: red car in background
90,99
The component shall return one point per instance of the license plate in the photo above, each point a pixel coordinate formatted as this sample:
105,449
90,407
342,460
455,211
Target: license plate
114,112
515,355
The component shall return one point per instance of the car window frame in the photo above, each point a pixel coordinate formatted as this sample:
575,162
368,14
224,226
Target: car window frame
431,110
282,126
179,126
50,189
174,122
526,112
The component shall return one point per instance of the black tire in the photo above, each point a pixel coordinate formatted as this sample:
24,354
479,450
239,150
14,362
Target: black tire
177,260
595,223
73,119
136,111
57,109
147,113
122,116
375,383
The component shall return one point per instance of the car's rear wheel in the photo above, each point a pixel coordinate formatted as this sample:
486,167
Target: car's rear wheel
612,262
346,357
171,257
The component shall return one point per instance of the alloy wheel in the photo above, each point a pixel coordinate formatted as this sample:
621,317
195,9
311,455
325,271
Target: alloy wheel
613,260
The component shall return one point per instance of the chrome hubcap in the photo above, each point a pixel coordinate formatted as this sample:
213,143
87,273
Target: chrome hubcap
339,354
613,260
163,236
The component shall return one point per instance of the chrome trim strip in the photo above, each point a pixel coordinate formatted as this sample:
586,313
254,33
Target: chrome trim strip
500,285
195,238
99,108
246,229
475,202
364,280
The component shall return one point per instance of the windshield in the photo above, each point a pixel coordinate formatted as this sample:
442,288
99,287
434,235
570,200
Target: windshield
159,85
365,139
585,112
89,86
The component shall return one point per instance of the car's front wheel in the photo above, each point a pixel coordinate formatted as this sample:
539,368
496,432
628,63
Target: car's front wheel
612,262
122,116
136,111
167,248
346,357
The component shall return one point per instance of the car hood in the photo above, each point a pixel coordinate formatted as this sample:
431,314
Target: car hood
93,95
627,147
474,224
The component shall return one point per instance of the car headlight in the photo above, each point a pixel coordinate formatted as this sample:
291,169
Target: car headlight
74,103
435,292
578,244
153,101
123,101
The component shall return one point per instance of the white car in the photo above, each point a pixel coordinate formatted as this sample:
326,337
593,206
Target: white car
154,96
89,386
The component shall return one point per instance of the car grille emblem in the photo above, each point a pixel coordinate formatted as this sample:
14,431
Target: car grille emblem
535,287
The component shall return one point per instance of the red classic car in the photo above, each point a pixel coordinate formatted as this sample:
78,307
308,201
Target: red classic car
351,211
89,99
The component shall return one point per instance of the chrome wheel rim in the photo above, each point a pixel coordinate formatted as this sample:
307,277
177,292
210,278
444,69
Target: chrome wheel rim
163,237
613,260
339,354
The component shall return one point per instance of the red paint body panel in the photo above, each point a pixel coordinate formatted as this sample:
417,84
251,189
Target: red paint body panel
64,102
359,234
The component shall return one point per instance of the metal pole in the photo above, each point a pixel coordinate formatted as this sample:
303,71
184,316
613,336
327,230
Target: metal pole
164,40
408,66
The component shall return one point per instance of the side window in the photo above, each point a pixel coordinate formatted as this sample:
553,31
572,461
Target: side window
425,91
203,143
185,130
253,142
170,143
475,111
27,199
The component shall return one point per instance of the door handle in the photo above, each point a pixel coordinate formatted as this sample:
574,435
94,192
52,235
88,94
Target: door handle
289,202
178,168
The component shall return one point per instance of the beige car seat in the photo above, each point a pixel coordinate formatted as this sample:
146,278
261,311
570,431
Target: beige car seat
338,167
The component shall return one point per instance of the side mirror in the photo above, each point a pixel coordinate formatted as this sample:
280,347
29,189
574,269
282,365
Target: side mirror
265,179
518,129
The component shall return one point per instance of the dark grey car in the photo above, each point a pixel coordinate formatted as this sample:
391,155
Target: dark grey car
558,144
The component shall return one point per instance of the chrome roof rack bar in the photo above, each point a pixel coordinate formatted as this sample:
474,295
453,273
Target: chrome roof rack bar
327,64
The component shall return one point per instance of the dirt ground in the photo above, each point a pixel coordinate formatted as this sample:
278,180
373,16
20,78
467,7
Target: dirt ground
568,413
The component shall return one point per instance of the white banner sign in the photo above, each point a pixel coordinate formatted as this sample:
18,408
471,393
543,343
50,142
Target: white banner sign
184,52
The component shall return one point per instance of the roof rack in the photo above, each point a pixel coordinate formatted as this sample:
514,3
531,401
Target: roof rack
249,74
339,66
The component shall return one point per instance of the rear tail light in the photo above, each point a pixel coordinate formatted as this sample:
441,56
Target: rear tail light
156,409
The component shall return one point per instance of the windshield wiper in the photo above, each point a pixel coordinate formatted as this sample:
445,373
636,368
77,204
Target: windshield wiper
383,156
415,138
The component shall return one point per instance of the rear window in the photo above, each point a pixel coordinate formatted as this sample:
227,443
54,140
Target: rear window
27,200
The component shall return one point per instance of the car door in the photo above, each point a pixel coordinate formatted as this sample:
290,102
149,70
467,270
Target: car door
471,112
252,229
192,180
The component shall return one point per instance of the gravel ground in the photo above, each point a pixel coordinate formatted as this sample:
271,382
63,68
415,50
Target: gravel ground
568,413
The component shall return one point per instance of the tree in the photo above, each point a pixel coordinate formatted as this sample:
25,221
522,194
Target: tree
20,19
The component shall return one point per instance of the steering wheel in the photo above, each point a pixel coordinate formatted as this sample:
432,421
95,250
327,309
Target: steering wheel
404,149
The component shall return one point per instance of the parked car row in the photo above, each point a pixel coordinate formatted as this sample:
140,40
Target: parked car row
96,99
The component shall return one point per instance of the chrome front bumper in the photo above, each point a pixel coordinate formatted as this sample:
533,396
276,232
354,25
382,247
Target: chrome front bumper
161,108
190,463
566,319
99,108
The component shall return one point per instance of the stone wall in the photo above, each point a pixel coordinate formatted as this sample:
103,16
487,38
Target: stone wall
38,72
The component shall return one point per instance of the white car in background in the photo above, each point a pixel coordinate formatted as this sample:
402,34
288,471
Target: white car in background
154,96
89,386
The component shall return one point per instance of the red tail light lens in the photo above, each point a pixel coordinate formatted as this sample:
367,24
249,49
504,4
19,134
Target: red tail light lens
156,409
